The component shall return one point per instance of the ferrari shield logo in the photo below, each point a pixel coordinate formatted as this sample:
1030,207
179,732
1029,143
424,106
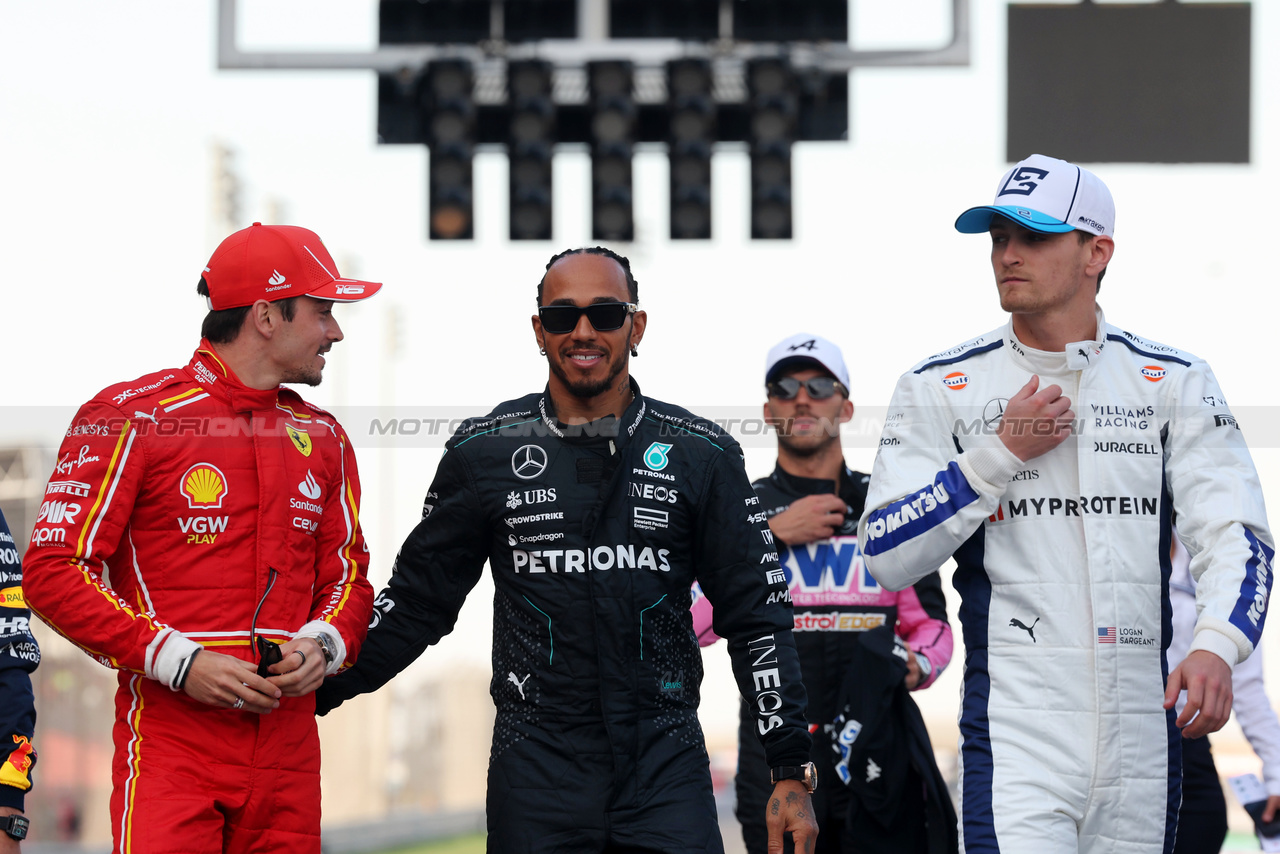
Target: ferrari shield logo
301,440
656,457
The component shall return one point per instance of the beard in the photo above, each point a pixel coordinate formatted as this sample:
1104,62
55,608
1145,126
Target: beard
804,446
584,388
303,376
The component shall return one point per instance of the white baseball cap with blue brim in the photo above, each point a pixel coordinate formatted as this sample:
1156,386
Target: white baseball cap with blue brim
1047,195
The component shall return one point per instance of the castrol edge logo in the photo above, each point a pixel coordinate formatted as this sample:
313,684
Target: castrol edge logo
205,486
956,380
1154,373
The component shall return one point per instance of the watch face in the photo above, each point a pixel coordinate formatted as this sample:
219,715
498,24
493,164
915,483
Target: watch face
16,826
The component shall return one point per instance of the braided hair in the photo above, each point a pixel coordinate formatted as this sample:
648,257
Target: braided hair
633,288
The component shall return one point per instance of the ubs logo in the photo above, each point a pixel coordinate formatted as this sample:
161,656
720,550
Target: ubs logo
1023,179
528,462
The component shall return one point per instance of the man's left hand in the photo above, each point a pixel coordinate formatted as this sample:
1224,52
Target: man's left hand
791,809
301,671
1207,680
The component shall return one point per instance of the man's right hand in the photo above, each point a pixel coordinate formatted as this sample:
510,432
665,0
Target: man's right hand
1035,422
814,517
219,680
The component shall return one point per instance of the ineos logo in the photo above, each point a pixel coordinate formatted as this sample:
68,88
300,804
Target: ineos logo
528,462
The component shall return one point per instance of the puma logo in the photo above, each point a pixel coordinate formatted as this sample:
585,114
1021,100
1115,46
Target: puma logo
151,417
1082,352
1028,629
519,683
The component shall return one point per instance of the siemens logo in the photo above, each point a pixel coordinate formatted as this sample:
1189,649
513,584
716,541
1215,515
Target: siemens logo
582,560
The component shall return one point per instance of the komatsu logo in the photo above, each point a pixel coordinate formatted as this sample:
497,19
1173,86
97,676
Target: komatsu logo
1258,608
923,503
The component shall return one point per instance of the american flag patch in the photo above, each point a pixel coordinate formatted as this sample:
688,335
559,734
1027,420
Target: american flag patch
1107,635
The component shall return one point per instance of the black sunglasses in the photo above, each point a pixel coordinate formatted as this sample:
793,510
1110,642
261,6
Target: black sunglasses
819,388
603,316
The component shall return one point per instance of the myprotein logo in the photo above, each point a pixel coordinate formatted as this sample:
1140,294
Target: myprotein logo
1081,505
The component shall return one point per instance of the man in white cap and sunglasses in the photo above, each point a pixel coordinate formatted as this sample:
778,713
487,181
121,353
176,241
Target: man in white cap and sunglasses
813,502
1048,457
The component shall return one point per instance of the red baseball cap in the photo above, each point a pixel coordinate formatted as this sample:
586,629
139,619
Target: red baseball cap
275,262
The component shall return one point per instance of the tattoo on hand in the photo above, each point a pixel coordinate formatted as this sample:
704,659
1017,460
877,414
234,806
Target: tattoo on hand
773,807
792,797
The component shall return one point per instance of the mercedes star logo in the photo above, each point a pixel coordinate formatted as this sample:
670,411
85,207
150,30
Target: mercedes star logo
528,461
994,411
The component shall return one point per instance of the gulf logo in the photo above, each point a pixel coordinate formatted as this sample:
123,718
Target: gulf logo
956,380
1154,373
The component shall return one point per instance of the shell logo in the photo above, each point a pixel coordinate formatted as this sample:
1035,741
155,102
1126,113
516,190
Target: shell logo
205,486
956,380
1154,373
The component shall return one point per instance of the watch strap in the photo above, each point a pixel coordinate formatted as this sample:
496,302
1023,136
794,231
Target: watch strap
15,826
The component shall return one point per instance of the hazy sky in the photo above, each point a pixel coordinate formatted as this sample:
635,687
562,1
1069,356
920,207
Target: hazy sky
109,112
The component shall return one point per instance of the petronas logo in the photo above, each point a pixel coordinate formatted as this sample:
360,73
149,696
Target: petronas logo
656,457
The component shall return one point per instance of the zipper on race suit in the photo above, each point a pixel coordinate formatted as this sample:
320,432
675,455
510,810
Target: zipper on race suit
253,628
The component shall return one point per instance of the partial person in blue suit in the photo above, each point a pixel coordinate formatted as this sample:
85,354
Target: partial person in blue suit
1048,457
19,655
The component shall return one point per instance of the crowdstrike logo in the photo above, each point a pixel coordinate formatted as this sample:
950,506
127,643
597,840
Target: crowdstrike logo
276,279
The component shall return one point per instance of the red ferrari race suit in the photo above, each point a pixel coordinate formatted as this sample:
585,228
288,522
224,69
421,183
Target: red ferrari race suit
187,510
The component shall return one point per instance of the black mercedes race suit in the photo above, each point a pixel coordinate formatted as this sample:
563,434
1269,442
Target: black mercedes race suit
835,600
594,535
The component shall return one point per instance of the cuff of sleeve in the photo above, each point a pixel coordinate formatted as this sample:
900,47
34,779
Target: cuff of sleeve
320,627
927,671
1273,786
12,797
1218,644
993,467
166,654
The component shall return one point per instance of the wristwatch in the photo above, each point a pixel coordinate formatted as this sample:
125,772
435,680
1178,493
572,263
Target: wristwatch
806,774
327,646
16,826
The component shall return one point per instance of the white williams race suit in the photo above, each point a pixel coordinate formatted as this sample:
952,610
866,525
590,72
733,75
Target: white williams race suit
1063,571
